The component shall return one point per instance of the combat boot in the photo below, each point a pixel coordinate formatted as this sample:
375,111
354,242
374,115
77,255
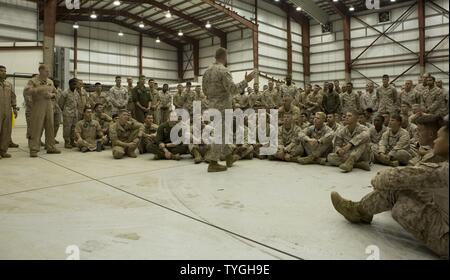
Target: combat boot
53,151
67,145
132,154
350,210
13,145
84,149
305,160
230,159
216,167
364,165
5,155
347,166
33,154
197,157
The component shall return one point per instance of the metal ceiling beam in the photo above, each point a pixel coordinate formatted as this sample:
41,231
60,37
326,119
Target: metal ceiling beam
216,32
63,11
342,10
123,24
339,8
421,20
247,23
313,10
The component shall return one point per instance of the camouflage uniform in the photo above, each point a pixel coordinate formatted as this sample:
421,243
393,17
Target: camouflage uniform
69,105
291,90
95,98
219,88
245,150
131,106
179,100
82,102
118,98
163,136
268,99
120,135
434,102
28,105
154,107
387,99
293,110
369,100
359,139
349,102
240,101
190,95
375,138
324,136
337,126
148,138
314,103
287,142
395,146
165,106
89,132
255,100
57,113
418,200
411,97
105,121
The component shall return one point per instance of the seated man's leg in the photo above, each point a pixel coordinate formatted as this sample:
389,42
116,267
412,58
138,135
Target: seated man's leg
334,159
153,148
118,152
194,150
131,151
402,156
424,221
82,145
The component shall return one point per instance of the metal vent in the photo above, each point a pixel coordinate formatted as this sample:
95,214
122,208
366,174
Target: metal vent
327,28
384,16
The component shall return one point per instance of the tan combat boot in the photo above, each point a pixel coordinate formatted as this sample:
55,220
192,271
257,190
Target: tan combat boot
5,155
215,167
306,160
33,154
349,209
53,151
230,159
364,165
197,157
347,166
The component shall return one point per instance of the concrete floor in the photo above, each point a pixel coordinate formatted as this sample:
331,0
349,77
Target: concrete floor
144,209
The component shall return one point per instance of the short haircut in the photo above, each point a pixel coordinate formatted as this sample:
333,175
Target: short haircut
86,108
397,117
151,80
433,78
97,104
220,53
114,116
118,77
42,66
369,110
385,76
350,83
353,112
380,116
188,84
430,121
98,84
304,114
321,115
122,111
73,81
2,67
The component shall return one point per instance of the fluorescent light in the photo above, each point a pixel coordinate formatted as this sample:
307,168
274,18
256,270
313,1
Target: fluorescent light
351,9
93,15
116,3
141,25
120,33
392,0
299,8
75,25
157,40
208,24
180,33
335,1
168,14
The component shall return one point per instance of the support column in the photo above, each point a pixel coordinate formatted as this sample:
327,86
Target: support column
75,52
180,63
256,44
49,34
289,43
196,58
347,49
140,62
421,19
223,41
306,52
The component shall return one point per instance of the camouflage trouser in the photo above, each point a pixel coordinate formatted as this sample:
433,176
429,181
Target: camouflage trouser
57,120
292,150
243,151
401,156
28,119
164,115
119,151
321,150
203,149
219,150
85,144
414,213
69,123
156,150
359,153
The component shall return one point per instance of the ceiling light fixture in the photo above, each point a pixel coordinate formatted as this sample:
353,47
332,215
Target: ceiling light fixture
75,25
180,33
157,40
120,33
93,15
351,9
141,25
208,24
116,3
299,9
168,14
